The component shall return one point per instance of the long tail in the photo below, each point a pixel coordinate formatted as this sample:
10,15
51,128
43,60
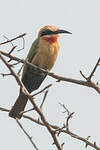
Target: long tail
31,81
19,106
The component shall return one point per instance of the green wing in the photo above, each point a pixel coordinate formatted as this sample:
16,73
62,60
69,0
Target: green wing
31,54
33,50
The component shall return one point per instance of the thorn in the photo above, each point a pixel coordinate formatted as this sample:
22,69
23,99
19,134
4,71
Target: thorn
88,137
86,145
62,145
94,143
97,83
58,80
83,75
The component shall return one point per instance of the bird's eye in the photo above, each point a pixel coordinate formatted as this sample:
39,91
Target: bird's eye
46,32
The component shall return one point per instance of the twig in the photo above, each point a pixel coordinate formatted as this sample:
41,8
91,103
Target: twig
12,49
91,74
5,74
23,112
30,138
20,69
67,121
48,86
81,139
66,110
4,109
12,72
97,64
8,40
14,64
23,45
44,98
67,130
31,119
20,36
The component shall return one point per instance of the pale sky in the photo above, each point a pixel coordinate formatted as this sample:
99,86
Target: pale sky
79,51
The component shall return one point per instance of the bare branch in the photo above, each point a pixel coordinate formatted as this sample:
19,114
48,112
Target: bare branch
13,48
38,110
23,112
88,79
20,69
4,109
8,41
44,98
30,138
94,69
5,74
60,129
23,45
48,86
60,78
66,109
81,139
31,119
85,140
67,121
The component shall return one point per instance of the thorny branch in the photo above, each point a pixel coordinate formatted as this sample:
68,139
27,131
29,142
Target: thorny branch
92,73
60,78
54,130
9,41
60,130
38,110
44,98
30,138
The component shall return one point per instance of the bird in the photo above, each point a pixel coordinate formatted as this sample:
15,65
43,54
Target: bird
43,53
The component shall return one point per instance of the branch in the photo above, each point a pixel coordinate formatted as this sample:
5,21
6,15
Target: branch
37,121
8,41
60,129
55,76
48,86
92,73
67,130
30,138
38,110
44,98
87,142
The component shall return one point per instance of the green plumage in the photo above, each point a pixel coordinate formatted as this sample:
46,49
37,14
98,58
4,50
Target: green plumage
31,54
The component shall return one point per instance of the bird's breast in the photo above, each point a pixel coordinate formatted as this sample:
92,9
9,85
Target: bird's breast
46,55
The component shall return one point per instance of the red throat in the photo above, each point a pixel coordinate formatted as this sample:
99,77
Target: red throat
51,39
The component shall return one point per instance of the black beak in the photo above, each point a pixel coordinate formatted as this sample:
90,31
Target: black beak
62,31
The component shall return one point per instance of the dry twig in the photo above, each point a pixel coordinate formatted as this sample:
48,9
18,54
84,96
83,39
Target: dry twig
44,98
9,41
29,137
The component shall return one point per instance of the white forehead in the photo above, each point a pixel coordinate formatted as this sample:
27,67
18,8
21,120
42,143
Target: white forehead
52,28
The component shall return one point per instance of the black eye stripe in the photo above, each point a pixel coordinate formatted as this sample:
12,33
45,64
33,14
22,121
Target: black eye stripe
46,32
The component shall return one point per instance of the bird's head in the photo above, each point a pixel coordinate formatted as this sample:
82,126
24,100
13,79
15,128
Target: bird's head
51,33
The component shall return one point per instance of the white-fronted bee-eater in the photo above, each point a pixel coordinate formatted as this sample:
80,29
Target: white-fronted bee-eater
43,53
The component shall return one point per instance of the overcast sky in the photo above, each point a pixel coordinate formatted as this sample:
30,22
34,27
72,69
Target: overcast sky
79,51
